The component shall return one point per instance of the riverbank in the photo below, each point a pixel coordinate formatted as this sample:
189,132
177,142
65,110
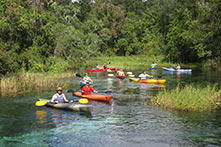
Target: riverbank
189,98
27,82
132,62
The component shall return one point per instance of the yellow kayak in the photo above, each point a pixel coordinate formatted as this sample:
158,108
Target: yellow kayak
149,81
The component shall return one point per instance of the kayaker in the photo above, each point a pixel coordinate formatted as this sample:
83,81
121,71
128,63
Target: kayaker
154,65
144,75
87,89
97,66
59,97
120,72
86,79
105,66
178,66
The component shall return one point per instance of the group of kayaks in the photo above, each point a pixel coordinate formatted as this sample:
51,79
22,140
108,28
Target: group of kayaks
88,108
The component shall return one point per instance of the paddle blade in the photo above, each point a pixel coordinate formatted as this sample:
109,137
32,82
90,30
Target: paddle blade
40,103
83,101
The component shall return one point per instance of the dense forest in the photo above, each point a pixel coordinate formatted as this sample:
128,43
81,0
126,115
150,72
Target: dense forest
55,35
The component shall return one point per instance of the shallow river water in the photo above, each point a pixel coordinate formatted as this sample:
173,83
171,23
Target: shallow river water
127,121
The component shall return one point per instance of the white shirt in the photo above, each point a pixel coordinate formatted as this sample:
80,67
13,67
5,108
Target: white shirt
120,73
143,76
87,79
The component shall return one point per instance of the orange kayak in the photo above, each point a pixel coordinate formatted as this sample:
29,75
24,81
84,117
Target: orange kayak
94,97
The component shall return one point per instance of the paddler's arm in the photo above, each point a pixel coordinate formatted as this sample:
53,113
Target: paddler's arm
93,90
53,98
91,80
65,99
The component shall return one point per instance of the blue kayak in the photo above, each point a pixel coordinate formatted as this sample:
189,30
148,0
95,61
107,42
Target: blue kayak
176,70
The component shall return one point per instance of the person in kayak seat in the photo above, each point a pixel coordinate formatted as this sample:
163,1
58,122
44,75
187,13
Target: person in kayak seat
178,66
105,66
154,65
144,75
97,67
87,89
86,79
120,72
59,97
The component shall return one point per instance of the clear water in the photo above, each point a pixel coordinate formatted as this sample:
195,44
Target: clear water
128,120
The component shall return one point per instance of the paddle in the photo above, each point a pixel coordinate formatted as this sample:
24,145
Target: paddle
42,103
83,101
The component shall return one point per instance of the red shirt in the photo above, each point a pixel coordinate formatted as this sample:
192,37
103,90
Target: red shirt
86,90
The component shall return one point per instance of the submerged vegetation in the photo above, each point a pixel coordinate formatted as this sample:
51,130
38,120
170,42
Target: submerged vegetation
26,82
189,98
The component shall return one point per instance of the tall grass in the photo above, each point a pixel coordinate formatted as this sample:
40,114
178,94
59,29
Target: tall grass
130,62
26,82
189,98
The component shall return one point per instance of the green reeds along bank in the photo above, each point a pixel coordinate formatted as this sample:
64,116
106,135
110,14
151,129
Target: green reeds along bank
130,62
26,82
189,98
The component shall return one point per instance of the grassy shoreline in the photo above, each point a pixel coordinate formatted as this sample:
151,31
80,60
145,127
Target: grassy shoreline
27,82
189,98
132,62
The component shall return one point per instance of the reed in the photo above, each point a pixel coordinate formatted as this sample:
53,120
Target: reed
131,62
189,98
26,82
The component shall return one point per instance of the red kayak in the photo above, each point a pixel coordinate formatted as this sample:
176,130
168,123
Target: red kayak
94,97
101,70
120,76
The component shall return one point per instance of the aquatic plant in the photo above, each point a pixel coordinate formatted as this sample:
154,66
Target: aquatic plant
190,98
26,82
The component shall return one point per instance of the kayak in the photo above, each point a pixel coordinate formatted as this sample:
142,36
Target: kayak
176,70
153,81
134,79
69,106
102,70
121,76
94,97
149,81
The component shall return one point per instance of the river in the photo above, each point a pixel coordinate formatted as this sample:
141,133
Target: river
127,121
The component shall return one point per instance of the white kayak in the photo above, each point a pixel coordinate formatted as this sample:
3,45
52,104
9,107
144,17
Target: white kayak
70,106
176,70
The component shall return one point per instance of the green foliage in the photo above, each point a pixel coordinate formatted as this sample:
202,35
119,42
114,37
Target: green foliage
33,31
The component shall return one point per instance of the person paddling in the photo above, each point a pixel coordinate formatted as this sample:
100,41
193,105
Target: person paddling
178,66
87,89
86,78
59,97
120,72
144,75
97,66
153,65
105,66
